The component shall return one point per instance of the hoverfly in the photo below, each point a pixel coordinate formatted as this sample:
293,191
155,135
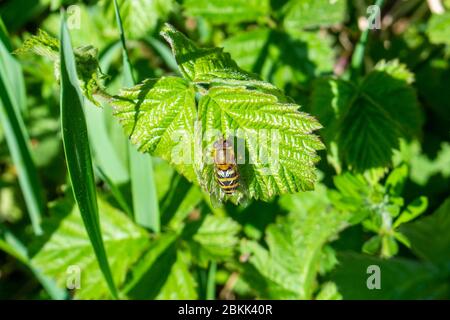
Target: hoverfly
227,182
225,168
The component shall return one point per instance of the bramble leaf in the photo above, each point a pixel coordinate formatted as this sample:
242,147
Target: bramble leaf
216,238
288,268
278,139
217,98
201,64
85,57
42,44
69,247
157,112
368,120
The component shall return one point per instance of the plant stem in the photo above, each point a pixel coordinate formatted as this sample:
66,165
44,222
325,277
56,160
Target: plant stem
211,282
358,54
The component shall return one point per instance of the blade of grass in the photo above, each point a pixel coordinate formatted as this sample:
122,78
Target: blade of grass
104,153
77,152
115,191
17,137
211,282
145,200
114,140
358,54
13,71
14,247
143,189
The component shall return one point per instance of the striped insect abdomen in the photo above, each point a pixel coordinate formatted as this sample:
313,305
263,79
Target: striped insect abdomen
227,178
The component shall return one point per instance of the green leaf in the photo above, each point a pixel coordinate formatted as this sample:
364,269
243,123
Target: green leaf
227,12
367,126
278,139
153,112
162,273
215,239
77,152
313,13
395,182
175,208
10,244
400,279
88,71
429,236
41,44
288,268
69,245
11,105
438,28
328,291
412,211
160,116
201,64
372,246
352,196
389,247
180,285
400,237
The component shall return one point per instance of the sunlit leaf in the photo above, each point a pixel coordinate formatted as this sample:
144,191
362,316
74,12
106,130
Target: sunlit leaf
69,248
288,268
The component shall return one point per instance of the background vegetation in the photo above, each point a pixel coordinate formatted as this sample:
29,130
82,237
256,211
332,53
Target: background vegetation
76,197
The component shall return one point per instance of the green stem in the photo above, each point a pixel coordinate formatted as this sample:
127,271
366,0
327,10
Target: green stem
129,79
358,54
211,281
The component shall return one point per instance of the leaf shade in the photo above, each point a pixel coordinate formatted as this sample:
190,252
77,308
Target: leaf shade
366,125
